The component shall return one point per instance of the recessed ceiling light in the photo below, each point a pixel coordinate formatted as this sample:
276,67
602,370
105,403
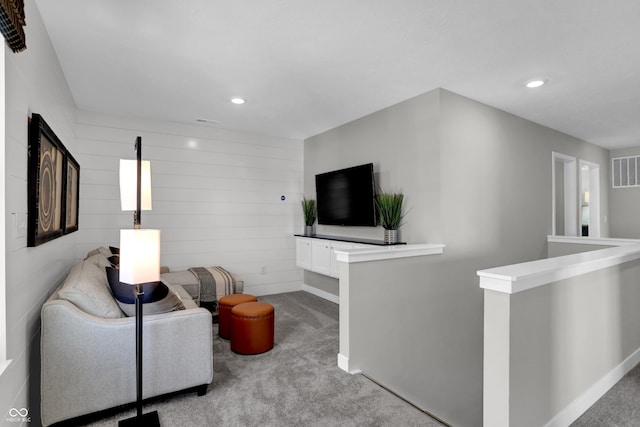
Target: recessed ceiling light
535,83
238,100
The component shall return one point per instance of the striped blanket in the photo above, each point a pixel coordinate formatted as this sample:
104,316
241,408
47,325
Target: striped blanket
215,282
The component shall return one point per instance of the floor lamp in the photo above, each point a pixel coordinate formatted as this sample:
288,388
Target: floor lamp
139,262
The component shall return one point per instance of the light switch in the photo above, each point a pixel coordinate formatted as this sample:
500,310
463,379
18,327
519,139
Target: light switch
20,225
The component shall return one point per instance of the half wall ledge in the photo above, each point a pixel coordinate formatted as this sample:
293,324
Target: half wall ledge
551,352
515,278
388,252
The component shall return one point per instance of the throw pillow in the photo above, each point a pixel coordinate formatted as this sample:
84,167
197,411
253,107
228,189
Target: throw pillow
158,297
99,260
101,250
115,260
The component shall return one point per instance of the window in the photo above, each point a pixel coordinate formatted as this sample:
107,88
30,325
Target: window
624,172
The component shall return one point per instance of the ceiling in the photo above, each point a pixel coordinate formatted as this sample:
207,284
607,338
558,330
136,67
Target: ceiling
308,66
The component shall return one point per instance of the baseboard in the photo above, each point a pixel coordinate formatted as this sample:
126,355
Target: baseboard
320,293
343,363
583,402
275,288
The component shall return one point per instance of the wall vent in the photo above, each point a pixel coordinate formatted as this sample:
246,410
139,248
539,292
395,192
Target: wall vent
625,172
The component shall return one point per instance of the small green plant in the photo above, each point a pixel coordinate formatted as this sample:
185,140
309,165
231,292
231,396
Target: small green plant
309,211
389,208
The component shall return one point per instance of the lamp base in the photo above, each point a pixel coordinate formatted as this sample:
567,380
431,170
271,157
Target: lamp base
150,419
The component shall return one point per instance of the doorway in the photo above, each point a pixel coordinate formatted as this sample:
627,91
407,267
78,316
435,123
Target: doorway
589,199
564,195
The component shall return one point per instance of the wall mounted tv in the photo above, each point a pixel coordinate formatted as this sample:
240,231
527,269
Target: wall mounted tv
346,196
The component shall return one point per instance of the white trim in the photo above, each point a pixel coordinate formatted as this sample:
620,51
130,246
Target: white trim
343,363
320,293
4,362
594,193
571,199
583,402
4,365
275,288
520,277
388,252
607,241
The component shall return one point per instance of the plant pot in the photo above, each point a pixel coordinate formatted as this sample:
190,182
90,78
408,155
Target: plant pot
308,230
390,237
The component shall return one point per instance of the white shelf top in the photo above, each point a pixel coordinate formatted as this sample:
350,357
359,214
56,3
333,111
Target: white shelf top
515,278
601,241
388,252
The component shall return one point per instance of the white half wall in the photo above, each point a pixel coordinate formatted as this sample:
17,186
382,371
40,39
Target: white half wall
553,350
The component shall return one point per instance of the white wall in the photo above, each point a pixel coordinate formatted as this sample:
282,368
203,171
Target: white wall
216,196
34,84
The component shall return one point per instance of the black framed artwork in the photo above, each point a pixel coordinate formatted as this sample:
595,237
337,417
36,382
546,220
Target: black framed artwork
72,193
53,185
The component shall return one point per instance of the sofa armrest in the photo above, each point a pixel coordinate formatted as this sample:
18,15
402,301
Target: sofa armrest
89,363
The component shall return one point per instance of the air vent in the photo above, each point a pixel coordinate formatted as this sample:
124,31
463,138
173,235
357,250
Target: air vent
625,172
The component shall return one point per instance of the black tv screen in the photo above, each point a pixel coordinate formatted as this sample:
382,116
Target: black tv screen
346,196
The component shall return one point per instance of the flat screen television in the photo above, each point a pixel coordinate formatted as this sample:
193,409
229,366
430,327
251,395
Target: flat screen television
346,196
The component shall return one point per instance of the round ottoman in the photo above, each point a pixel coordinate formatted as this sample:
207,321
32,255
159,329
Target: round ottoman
252,327
225,304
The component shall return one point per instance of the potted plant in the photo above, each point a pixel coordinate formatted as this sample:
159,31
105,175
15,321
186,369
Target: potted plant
310,214
389,208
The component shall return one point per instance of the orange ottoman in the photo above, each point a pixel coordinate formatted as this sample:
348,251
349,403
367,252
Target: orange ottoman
225,304
252,327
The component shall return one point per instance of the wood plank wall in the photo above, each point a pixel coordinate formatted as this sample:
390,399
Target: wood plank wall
217,196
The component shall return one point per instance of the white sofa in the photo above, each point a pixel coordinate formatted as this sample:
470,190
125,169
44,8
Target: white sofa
88,348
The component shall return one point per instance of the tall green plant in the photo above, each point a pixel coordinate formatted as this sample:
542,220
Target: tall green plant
309,210
389,208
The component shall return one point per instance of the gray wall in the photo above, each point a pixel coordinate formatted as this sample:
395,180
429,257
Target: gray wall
624,203
555,249
402,143
476,179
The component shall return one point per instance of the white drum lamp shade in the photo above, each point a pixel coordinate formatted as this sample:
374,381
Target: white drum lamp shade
128,180
139,256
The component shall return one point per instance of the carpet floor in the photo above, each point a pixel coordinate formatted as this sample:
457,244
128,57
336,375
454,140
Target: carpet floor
297,383
619,407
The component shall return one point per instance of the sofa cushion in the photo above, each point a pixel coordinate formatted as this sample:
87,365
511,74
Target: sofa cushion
86,287
101,250
99,260
158,297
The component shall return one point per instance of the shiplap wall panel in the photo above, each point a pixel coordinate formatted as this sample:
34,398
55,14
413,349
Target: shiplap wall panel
216,195
35,83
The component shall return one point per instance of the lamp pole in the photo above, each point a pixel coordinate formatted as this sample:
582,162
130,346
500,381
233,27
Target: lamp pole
149,419
136,214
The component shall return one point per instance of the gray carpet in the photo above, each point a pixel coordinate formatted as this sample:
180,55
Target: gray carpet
297,383
619,407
